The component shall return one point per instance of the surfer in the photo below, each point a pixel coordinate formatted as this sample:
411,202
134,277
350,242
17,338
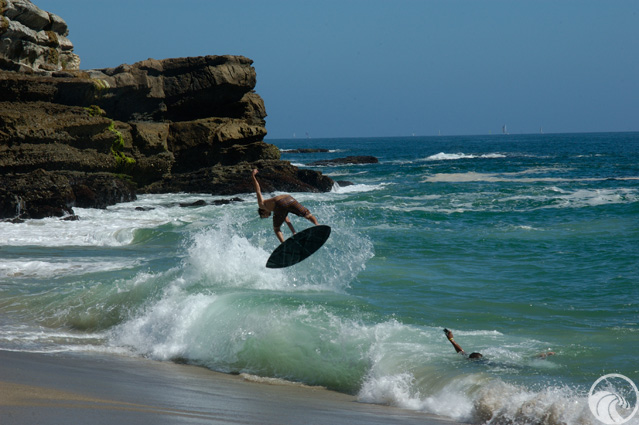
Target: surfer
280,206
458,348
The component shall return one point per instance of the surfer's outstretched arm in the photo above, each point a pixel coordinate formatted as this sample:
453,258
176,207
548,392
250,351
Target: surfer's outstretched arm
258,191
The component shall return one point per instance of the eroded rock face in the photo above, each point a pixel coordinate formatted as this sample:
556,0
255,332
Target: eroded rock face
34,40
181,89
173,125
41,193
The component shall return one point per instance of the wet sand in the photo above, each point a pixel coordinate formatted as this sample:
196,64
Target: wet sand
102,389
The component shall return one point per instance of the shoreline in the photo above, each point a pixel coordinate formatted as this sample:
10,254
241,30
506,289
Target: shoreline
104,389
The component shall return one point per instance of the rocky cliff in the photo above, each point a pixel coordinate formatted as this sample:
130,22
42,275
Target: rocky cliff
32,39
91,138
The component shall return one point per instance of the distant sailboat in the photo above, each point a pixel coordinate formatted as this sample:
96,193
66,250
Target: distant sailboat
504,130
541,130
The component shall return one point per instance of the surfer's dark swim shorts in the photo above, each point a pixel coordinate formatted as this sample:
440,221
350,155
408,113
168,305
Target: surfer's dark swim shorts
285,205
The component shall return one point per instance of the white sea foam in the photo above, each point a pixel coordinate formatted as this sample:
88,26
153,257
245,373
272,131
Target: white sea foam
401,161
113,226
356,188
537,170
113,230
168,328
31,268
34,339
497,402
473,176
455,156
223,256
527,228
595,197
579,198
345,173
51,232
422,198
550,198
470,176
296,149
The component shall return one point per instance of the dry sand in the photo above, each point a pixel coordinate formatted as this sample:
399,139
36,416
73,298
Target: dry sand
101,389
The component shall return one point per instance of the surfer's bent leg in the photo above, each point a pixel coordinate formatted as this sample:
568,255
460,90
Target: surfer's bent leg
310,217
289,224
278,219
279,234
293,206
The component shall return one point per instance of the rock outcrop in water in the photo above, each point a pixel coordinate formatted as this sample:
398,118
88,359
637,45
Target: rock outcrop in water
96,137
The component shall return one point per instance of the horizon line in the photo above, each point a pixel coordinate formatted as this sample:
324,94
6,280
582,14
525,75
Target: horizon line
449,135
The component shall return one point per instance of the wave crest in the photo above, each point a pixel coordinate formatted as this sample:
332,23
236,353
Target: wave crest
454,156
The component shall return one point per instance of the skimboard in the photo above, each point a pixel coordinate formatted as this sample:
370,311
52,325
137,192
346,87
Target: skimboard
299,247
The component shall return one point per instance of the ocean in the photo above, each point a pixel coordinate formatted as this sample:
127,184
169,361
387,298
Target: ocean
519,244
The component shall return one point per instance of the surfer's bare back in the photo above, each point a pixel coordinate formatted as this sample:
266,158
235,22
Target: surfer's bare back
280,206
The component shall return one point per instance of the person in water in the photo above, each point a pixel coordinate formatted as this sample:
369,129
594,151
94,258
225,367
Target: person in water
280,206
475,356
458,348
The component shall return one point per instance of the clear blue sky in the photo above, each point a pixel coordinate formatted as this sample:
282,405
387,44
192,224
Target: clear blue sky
371,68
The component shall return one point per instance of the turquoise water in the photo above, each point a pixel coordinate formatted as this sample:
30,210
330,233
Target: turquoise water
520,244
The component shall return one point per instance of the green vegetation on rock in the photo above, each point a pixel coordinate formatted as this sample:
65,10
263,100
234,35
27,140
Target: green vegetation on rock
96,111
100,84
123,162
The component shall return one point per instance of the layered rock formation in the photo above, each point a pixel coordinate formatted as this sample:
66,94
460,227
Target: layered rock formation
100,136
32,39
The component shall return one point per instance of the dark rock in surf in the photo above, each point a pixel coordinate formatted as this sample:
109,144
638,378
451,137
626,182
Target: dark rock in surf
35,195
42,193
99,190
226,201
199,203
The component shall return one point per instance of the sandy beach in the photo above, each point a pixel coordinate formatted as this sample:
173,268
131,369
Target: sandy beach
102,389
